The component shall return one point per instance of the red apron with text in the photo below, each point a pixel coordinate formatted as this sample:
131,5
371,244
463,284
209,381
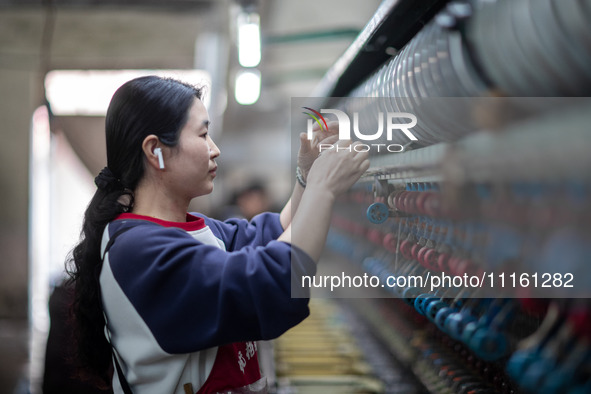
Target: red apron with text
235,370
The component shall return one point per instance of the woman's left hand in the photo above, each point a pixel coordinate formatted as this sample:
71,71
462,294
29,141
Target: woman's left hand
310,149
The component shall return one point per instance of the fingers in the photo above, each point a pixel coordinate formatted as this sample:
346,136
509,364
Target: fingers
345,147
347,153
362,158
305,145
362,154
364,166
333,127
340,166
321,134
343,144
330,140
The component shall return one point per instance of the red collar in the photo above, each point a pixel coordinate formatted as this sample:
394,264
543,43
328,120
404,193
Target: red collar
193,222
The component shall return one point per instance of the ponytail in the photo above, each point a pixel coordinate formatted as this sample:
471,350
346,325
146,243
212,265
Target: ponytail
93,354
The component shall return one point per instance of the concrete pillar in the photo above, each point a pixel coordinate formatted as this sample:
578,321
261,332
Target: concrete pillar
17,89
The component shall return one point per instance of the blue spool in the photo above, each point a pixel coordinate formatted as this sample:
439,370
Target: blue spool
558,381
489,344
377,213
519,361
456,322
410,294
442,315
420,301
433,307
469,331
535,374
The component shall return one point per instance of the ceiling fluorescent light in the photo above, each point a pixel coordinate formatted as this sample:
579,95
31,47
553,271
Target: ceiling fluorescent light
249,39
248,86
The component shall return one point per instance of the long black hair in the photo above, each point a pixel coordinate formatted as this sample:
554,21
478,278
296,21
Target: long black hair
140,107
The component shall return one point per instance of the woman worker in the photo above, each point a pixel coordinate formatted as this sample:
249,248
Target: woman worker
176,300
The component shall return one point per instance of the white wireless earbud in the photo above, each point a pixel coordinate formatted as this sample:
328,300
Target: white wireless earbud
158,152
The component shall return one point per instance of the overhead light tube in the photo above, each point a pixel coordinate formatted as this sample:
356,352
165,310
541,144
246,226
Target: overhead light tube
247,88
249,39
